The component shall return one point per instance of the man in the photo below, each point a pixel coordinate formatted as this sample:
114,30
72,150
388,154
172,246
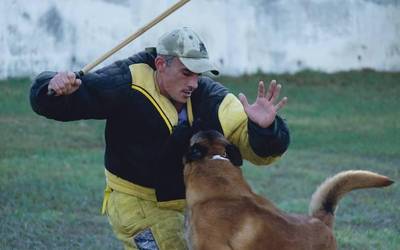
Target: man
151,102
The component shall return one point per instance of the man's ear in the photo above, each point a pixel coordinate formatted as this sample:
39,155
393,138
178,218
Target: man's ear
234,155
196,152
160,63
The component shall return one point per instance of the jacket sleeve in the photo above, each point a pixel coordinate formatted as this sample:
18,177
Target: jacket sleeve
99,96
99,93
260,146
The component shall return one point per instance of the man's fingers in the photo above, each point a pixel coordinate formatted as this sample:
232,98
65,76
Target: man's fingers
77,83
64,83
281,104
275,94
243,100
261,89
271,90
71,76
59,83
57,86
69,80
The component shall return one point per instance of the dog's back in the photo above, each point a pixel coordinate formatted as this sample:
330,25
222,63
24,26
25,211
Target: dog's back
224,213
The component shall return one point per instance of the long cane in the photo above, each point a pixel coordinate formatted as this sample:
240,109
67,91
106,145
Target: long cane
129,39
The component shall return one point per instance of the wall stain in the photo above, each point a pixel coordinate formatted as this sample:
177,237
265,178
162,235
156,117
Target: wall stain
53,23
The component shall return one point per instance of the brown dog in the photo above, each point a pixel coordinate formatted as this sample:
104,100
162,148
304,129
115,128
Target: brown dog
224,213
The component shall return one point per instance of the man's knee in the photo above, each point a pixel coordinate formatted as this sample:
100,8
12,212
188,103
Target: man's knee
140,224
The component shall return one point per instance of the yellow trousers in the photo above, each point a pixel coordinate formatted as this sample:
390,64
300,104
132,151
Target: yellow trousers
141,224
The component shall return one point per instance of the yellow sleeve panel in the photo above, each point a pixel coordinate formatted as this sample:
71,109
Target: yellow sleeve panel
233,121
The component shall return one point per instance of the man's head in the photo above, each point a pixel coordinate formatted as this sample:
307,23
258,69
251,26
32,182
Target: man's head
185,44
182,57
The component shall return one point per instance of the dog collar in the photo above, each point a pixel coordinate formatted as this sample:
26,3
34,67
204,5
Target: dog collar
219,157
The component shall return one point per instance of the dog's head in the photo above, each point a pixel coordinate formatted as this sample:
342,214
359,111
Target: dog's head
211,143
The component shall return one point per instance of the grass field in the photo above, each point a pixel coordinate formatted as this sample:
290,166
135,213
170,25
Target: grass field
51,173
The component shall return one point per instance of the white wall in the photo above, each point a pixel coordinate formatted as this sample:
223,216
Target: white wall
241,36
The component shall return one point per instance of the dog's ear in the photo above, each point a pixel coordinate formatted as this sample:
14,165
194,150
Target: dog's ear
234,155
196,152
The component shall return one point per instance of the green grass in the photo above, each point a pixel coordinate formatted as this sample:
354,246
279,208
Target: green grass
51,177
51,173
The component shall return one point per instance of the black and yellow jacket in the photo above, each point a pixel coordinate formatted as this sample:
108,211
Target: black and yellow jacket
140,122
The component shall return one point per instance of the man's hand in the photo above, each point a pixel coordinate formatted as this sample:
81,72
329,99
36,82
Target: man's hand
64,83
264,109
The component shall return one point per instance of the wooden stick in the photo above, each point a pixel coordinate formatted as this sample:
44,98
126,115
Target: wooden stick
132,37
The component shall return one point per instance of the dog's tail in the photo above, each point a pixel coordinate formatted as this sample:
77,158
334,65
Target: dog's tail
325,199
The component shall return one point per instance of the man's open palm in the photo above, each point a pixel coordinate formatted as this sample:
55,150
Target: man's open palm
264,109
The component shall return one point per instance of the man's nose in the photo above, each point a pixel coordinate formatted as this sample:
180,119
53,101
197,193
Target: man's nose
193,82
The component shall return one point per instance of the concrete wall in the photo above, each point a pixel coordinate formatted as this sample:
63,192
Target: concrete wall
241,36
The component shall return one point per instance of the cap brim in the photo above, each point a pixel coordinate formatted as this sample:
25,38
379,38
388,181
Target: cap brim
199,65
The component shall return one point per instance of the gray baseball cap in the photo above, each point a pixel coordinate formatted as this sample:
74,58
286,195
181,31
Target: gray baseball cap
188,47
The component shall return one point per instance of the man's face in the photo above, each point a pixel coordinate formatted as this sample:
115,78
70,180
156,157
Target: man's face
176,82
